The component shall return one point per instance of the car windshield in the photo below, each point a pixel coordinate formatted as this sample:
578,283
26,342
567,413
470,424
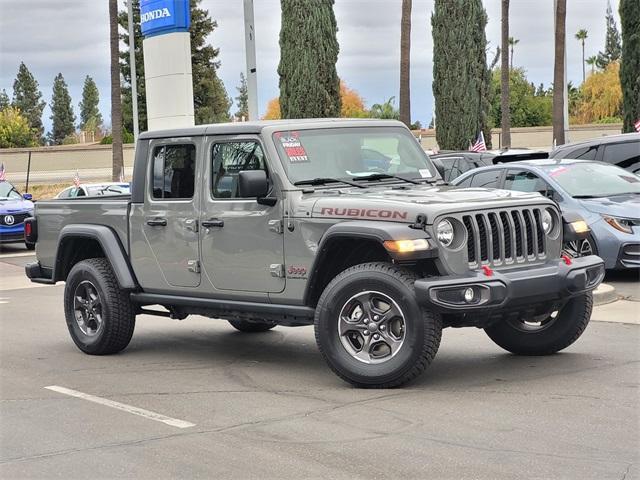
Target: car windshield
119,189
8,191
593,179
335,154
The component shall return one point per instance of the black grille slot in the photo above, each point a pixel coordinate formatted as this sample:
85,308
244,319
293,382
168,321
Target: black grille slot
529,231
508,253
495,236
518,229
18,218
471,239
482,233
539,231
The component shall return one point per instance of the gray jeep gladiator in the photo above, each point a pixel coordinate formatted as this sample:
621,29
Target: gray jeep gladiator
343,224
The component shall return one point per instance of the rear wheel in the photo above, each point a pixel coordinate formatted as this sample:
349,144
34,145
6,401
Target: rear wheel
99,314
30,246
370,328
547,334
252,326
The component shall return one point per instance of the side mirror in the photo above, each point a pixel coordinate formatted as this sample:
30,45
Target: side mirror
27,196
252,183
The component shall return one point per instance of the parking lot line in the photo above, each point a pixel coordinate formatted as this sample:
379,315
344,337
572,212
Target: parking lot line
174,422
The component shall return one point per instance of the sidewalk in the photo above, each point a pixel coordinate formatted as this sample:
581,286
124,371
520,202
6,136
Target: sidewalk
622,311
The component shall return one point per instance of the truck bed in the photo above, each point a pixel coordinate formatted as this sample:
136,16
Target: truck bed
53,215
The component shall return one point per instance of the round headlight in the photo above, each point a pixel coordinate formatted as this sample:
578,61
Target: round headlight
444,232
547,222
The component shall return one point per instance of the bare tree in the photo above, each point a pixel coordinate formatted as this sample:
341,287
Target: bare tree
505,122
405,63
558,72
116,106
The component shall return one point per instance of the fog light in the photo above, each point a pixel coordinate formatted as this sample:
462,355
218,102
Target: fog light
469,295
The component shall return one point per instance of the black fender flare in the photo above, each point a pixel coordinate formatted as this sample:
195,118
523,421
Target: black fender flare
369,230
111,246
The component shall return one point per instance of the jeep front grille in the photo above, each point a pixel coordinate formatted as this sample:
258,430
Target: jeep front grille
504,237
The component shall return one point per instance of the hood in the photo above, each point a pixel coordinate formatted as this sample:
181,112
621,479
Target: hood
14,206
404,204
626,206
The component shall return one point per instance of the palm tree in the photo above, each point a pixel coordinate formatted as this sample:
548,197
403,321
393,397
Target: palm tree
405,62
581,36
592,60
512,43
386,110
117,168
558,72
505,122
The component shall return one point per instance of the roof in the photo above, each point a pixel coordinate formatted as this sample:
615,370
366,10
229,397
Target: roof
256,127
600,140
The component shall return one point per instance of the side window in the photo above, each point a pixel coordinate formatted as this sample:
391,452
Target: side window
174,171
64,193
466,182
79,192
486,179
230,158
622,154
585,153
524,181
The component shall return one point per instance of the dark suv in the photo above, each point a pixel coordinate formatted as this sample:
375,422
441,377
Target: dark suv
621,150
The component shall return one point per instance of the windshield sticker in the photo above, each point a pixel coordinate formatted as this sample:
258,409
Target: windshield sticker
425,173
292,147
557,171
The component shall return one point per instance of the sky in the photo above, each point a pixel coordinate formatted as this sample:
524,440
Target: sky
72,37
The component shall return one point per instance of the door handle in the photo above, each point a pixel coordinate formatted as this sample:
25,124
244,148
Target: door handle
157,222
213,222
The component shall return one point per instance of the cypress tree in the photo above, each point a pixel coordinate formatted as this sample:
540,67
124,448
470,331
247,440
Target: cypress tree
4,100
89,111
242,99
61,111
28,99
461,80
309,83
612,48
630,66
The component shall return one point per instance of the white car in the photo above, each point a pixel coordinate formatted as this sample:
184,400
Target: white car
95,190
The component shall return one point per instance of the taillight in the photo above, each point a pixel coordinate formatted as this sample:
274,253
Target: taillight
27,229
30,230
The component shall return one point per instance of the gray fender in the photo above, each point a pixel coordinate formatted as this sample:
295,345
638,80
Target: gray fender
111,245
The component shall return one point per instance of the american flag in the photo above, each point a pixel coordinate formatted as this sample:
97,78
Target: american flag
637,125
3,175
76,179
479,146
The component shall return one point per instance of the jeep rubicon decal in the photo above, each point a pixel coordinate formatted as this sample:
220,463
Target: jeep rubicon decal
363,212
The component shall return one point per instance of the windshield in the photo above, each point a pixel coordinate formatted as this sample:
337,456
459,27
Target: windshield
8,191
120,189
352,154
593,179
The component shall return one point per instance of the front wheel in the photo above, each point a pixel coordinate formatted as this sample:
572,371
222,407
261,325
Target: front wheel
546,335
370,328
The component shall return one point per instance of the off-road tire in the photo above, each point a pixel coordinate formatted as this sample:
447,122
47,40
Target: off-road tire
422,336
30,246
567,327
252,327
118,314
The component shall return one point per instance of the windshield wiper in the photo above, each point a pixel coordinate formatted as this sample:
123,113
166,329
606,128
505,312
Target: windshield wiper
383,176
322,181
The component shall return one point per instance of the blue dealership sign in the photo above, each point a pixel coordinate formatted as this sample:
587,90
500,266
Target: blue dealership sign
158,17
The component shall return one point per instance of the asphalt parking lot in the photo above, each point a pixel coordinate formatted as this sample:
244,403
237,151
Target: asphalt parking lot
220,404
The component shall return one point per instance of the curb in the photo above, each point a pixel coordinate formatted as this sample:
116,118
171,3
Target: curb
604,294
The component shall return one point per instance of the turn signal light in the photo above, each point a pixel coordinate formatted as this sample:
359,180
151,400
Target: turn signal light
580,226
406,246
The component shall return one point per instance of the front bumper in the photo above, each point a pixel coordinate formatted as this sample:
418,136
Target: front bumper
12,234
517,289
629,256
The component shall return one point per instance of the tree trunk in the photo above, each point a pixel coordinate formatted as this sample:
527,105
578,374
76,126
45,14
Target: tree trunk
116,106
558,72
505,122
405,63
583,72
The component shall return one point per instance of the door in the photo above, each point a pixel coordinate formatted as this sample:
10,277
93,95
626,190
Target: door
170,219
241,241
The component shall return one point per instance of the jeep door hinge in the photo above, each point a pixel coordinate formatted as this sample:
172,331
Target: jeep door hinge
193,266
276,226
277,270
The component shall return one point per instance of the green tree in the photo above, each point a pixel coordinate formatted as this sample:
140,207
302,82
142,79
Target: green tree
386,110
461,79
63,119
89,112
581,35
4,100
612,48
527,107
28,99
630,66
15,131
242,99
309,83
592,61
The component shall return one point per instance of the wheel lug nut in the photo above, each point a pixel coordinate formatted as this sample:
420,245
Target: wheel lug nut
382,327
376,317
376,336
366,320
366,333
